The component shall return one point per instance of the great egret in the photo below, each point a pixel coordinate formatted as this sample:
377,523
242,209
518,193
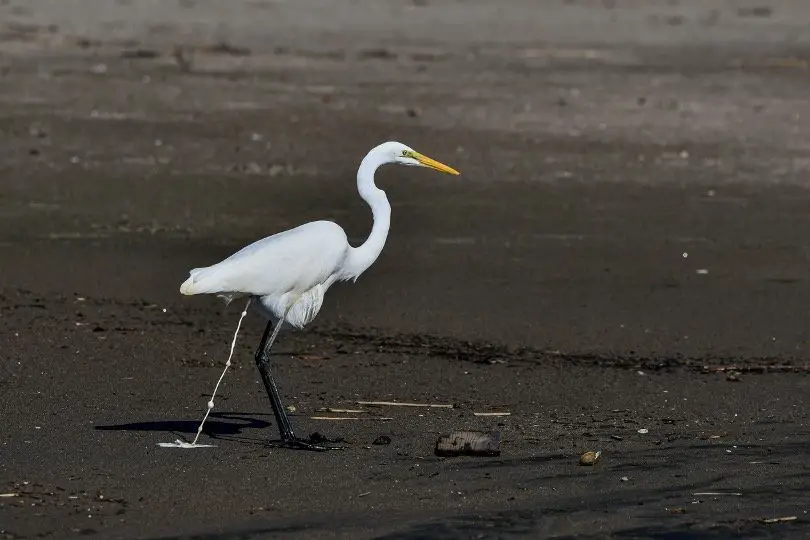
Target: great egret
289,273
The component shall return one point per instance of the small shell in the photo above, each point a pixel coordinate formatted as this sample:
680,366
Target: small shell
291,408
589,458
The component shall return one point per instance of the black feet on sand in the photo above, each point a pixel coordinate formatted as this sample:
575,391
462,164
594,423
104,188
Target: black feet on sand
316,441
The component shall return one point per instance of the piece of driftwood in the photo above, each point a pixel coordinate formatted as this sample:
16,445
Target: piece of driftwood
404,404
492,413
469,443
779,520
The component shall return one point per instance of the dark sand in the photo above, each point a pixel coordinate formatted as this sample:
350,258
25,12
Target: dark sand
627,248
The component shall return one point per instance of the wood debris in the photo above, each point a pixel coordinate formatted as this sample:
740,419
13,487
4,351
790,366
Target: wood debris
469,443
771,521
405,404
492,413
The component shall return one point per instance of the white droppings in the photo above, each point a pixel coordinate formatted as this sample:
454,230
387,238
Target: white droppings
644,431
210,405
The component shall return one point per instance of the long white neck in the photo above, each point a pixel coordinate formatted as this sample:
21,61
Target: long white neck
363,256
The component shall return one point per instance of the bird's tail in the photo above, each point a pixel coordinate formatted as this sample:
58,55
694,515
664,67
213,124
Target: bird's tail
192,284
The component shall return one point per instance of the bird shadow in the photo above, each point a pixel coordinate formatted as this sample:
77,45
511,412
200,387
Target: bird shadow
225,425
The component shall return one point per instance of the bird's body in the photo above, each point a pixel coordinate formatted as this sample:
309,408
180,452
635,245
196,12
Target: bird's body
290,272
292,268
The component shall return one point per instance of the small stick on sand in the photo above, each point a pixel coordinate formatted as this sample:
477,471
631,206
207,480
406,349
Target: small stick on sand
377,418
492,413
345,411
717,493
779,519
401,404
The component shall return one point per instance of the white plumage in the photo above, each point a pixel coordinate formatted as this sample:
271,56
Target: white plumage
292,270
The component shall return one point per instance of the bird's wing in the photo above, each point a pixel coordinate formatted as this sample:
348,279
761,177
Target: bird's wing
294,260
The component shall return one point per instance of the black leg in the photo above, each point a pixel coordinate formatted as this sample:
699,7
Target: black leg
288,438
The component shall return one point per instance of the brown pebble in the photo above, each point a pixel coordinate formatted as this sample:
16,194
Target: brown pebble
589,458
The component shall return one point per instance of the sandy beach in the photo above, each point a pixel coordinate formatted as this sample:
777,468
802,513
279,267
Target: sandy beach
622,266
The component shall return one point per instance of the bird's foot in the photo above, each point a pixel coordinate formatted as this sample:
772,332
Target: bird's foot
315,442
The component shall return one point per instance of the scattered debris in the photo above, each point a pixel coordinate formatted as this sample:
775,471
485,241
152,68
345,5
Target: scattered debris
403,404
291,408
382,440
616,438
469,443
494,413
764,368
733,376
590,458
624,479
364,494
677,510
345,411
770,521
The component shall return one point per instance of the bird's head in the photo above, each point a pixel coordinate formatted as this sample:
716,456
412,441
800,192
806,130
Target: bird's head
396,152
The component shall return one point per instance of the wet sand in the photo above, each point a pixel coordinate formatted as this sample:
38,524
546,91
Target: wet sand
626,249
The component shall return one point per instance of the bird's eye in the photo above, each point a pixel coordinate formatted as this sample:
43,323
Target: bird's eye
405,153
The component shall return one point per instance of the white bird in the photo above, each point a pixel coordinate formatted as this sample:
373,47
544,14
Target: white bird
289,273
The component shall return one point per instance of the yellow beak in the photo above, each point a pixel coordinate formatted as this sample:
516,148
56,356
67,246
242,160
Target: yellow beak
433,164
